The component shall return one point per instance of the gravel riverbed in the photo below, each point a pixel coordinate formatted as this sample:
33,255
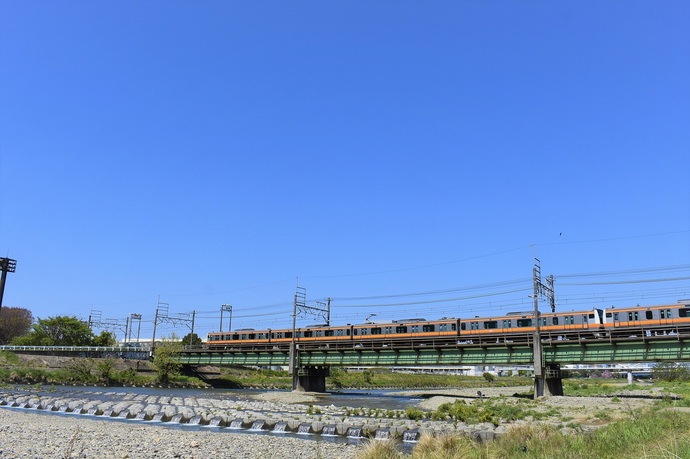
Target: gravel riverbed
27,435
66,422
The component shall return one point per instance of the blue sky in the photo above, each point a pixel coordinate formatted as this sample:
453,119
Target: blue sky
406,159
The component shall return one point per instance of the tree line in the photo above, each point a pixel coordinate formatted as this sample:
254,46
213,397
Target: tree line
18,327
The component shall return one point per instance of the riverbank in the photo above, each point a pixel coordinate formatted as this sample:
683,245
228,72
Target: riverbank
25,435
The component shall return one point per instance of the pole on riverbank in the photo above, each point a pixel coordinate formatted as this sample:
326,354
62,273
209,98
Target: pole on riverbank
7,265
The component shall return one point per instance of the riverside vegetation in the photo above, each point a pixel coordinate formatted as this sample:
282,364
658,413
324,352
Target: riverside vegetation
657,433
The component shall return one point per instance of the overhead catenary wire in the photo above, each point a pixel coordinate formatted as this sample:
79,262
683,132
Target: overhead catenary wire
483,299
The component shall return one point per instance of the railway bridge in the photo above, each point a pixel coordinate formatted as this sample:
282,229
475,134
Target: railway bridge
313,359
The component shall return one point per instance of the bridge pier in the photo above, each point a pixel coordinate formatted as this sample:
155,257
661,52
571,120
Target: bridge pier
551,384
310,379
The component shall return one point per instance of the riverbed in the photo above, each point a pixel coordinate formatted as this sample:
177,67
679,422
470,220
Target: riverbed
30,435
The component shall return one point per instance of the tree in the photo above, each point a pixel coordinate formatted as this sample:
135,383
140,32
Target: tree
105,370
106,338
58,331
165,359
191,339
14,322
670,371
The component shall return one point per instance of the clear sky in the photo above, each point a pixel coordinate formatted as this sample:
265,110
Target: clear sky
407,159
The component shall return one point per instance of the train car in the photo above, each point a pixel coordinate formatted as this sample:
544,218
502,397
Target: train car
651,317
405,329
595,321
523,322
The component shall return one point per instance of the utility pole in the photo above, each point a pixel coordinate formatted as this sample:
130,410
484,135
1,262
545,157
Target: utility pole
162,316
96,321
299,301
227,308
132,318
540,376
307,377
536,340
7,265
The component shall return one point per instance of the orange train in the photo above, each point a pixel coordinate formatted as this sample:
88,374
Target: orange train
600,322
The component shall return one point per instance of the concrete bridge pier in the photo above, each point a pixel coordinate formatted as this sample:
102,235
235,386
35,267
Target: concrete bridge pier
310,379
551,384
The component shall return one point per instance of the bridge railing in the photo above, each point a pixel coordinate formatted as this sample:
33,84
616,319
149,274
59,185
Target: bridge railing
74,349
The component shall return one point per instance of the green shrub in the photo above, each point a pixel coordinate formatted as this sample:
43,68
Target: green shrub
415,414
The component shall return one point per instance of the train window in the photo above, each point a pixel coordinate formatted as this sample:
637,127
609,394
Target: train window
463,326
428,328
400,329
615,316
251,336
591,316
662,314
609,315
308,334
363,331
279,335
319,333
443,327
376,330
554,321
684,312
235,337
524,322
668,314
490,324
507,324
389,330
329,333
648,315
454,327
415,329
584,318
288,334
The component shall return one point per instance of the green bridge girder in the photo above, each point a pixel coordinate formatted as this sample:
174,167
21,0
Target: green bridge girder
668,349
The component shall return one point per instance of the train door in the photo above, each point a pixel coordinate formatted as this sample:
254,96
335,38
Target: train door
633,318
665,316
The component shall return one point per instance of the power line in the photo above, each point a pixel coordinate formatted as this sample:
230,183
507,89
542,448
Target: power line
435,292
438,300
674,268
